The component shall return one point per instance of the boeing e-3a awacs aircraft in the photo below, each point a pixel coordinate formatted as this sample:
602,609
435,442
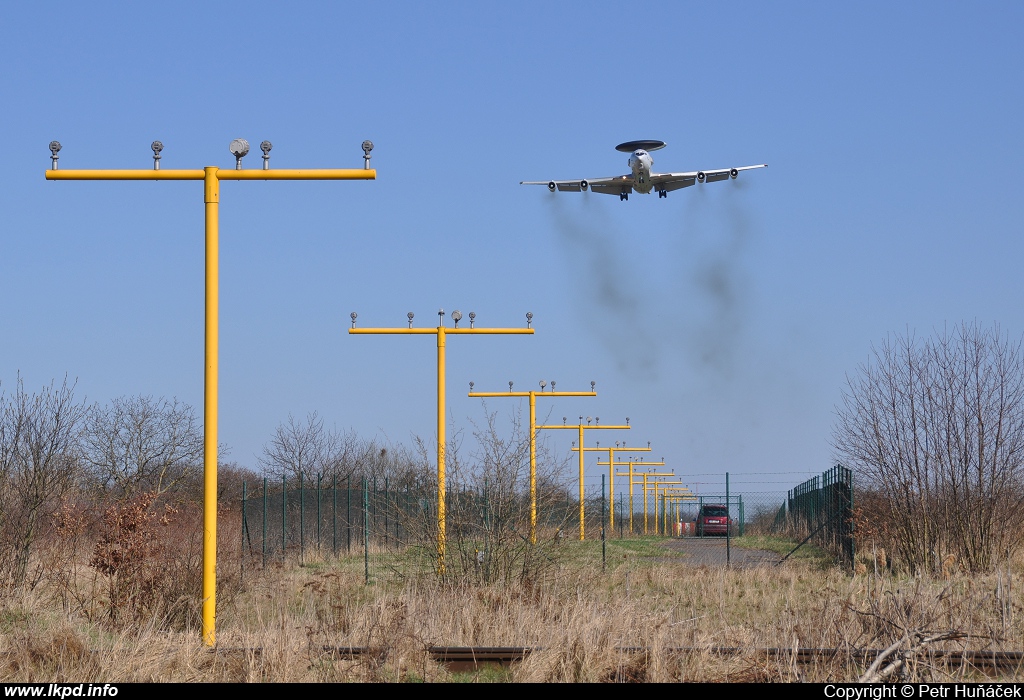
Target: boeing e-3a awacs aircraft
642,180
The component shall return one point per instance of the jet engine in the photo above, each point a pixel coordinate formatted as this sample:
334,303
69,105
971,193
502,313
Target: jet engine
551,185
701,176
584,185
733,173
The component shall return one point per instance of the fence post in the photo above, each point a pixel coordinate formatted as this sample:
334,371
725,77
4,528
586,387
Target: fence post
302,519
284,516
241,560
264,522
334,515
604,544
741,515
319,478
700,509
348,517
387,519
728,524
366,532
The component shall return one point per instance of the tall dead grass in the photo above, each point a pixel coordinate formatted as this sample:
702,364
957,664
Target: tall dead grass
291,623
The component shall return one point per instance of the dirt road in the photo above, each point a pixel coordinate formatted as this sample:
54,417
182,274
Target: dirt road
711,551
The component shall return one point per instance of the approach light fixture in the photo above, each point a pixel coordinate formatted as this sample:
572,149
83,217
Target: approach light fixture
440,317
471,385
552,385
472,317
239,149
543,384
353,316
54,149
510,386
456,316
265,147
592,385
409,316
157,147
367,147
529,318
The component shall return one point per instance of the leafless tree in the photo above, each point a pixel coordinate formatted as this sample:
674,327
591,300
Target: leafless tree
40,461
937,428
140,444
307,448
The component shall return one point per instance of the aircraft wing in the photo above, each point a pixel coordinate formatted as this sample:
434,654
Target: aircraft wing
604,185
677,181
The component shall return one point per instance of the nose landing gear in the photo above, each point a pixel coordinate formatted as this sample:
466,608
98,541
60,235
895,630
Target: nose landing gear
662,194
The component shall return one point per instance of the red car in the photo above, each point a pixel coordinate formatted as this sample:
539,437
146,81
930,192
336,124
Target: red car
712,519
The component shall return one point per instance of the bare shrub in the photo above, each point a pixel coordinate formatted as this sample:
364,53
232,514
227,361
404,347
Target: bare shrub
40,461
937,428
489,507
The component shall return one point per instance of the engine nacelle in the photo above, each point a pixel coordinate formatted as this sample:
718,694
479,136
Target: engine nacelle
551,185
733,173
701,177
584,185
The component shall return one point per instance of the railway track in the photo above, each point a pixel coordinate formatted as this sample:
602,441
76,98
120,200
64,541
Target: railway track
467,658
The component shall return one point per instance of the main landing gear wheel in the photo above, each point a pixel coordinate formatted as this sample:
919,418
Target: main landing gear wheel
623,196
662,194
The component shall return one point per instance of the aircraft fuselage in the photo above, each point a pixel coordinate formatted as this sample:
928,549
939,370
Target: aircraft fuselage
640,163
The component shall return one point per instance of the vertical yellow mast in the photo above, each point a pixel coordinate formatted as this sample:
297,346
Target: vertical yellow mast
211,190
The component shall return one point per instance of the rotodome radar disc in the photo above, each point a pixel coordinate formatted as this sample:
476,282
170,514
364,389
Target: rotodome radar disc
647,145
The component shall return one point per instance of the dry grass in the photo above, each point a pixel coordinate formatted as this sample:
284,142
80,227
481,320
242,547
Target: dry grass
287,623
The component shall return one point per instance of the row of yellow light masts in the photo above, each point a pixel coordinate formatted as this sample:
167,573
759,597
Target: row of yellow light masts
211,177
611,473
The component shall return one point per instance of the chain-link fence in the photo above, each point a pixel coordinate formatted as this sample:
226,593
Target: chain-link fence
820,510
392,530
303,520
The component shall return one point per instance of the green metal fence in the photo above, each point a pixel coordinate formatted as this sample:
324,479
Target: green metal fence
821,508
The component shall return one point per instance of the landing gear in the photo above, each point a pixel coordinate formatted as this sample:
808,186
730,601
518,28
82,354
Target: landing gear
623,196
662,194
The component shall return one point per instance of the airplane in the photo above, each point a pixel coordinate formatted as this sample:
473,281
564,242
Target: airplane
642,180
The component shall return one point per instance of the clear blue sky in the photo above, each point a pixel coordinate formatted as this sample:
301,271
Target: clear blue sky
722,320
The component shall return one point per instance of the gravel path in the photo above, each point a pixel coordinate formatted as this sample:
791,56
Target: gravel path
710,551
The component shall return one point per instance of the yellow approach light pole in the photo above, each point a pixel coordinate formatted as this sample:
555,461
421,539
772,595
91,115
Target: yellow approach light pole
211,177
582,428
611,470
631,474
441,332
533,433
